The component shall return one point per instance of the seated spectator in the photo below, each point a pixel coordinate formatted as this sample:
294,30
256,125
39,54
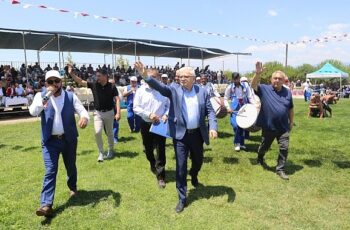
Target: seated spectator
11,91
19,90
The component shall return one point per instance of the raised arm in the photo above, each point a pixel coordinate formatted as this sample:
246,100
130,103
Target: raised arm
146,75
75,77
256,78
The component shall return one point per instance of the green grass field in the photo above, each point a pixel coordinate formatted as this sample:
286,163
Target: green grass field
122,193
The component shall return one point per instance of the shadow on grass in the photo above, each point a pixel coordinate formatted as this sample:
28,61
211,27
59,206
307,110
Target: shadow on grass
312,163
125,139
17,147
127,154
342,164
31,148
231,160
207,192
252,148
224,135
85,198
207,159
255,138
85,152
2,145
290,167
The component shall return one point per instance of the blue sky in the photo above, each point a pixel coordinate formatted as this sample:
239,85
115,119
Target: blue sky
268,20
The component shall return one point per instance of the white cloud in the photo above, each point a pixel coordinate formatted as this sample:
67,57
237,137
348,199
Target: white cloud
272,13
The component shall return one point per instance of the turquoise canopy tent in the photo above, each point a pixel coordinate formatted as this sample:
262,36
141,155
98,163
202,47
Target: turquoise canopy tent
328,71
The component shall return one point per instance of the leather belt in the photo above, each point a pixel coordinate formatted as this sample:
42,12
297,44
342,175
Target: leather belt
192,130
58,137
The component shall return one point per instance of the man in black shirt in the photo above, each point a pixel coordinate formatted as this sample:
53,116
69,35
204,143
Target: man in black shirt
104,94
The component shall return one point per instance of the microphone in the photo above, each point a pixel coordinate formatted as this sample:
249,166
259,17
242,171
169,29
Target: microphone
47,96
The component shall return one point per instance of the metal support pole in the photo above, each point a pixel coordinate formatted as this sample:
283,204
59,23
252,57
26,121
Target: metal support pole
25,53
104,59
38,56
59,51
202,59
113,59
237,65
188,56
286,63
154,60
135,56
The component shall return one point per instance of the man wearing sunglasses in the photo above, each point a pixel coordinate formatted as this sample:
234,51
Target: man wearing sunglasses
105,99
59,135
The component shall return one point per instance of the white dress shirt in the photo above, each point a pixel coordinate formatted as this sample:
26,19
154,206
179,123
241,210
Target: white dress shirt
191,109
148,100
57,102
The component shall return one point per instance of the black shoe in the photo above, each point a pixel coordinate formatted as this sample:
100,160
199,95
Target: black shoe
283,175
194,181
45,211
261,161
161,183
180,206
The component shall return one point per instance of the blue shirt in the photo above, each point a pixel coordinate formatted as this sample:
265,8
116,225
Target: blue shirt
190,109
275,106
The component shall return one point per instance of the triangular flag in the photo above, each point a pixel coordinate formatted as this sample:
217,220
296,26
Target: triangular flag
15,2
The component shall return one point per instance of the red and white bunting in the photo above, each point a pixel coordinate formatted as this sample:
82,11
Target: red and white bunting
340,37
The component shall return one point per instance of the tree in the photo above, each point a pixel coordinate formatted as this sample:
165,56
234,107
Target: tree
69,58
122,62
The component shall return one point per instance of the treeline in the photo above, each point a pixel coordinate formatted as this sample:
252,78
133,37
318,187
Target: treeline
299,72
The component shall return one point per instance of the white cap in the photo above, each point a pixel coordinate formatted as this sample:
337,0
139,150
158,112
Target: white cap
164,75
52,73
133,78
244,79
198,78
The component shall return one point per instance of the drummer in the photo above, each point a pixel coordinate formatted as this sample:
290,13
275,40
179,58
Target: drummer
237,93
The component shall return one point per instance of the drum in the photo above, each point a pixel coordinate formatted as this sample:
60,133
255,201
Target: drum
219,107
247,116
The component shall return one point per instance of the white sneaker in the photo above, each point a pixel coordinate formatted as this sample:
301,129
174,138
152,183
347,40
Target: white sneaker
110,155
100,157
237,147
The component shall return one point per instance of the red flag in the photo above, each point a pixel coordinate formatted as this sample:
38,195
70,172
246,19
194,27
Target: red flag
64,11
84,14
15,2
42,6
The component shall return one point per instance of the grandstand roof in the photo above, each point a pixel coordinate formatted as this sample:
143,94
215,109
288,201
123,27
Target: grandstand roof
78,42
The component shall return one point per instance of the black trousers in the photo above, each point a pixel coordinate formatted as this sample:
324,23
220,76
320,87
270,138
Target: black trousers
153,141
283,141
191,143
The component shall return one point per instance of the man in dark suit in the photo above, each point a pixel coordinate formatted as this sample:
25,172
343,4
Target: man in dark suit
189,106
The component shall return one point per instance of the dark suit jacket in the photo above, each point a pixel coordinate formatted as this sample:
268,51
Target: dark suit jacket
177,126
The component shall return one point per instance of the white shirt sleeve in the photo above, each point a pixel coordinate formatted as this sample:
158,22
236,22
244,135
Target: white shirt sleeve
37,106
138,108
167,106
79,108
227,96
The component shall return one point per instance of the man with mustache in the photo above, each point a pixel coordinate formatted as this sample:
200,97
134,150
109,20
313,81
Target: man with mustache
59,135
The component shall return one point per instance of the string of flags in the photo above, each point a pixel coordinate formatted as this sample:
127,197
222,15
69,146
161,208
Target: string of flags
336,37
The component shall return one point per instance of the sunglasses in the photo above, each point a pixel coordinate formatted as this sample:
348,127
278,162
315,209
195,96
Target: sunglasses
50,82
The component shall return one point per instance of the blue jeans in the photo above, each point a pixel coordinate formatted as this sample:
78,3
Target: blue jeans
239,132
133,120
51,151
115,129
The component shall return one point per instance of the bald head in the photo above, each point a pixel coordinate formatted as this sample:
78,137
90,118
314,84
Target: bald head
278,79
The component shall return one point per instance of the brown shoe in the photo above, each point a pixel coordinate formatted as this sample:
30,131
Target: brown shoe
73,193
44,211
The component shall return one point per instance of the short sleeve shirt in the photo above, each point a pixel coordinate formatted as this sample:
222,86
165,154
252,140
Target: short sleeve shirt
275,106
103,95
